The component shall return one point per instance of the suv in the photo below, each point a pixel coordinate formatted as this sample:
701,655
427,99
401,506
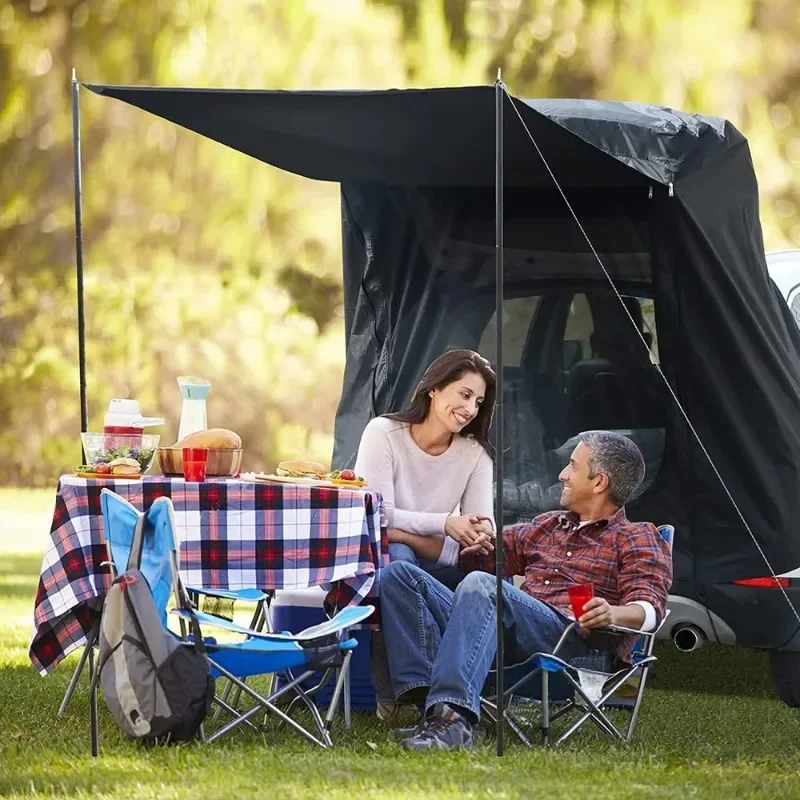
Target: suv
784,269
574,362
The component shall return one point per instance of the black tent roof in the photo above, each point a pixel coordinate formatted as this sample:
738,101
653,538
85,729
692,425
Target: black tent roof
443,137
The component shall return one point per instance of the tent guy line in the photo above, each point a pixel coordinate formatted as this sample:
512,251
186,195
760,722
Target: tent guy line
680,407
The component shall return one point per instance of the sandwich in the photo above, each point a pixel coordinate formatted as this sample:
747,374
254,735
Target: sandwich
301,469
125,466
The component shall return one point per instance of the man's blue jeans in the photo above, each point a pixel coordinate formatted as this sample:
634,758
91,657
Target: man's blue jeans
446,641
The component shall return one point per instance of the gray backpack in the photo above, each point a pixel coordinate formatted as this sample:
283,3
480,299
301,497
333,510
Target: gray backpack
157,688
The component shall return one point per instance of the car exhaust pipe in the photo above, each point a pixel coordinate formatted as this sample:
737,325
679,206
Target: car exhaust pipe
688,638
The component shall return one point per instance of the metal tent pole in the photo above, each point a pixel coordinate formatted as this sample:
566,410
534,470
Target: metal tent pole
499,91
76,166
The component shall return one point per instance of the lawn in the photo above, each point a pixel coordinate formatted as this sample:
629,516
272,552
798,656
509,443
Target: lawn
710,727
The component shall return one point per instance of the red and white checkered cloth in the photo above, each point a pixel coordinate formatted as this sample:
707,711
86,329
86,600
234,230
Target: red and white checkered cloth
233,535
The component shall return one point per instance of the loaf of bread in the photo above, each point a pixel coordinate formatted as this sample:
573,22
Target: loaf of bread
213,439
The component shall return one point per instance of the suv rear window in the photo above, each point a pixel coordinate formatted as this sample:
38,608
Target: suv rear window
573,362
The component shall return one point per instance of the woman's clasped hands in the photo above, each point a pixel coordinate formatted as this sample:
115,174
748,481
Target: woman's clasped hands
473,532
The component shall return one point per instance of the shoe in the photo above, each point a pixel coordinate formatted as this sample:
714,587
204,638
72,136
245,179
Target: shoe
410,731
445,729
389,711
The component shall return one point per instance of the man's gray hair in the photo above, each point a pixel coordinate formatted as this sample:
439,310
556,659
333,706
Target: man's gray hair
619,458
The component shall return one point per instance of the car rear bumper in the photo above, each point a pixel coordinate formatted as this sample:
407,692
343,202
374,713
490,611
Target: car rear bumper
758,617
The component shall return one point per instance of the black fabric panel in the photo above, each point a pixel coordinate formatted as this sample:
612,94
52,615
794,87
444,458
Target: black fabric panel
412,255
739,373
441,137
659,142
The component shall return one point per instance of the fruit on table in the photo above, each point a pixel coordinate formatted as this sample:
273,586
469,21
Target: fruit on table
102,469
212,439
345,475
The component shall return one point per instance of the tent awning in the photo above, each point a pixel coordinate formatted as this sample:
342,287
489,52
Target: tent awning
419,137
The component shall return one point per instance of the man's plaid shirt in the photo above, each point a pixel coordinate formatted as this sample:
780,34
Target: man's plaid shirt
625,561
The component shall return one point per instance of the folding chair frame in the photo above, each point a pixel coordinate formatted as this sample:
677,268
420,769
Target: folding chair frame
267,704
261,619
588,708
327,656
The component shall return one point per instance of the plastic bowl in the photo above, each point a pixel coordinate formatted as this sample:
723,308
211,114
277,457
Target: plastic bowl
101,448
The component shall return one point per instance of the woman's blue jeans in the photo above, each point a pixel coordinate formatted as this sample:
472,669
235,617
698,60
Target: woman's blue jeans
379,663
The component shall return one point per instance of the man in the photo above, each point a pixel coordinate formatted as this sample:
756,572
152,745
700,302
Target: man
441,644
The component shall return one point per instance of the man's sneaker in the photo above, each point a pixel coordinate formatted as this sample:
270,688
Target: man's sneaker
445,729
386,711
410,731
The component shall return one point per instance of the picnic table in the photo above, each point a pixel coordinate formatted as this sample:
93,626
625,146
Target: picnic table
233,534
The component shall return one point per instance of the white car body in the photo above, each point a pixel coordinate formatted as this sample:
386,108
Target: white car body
784,269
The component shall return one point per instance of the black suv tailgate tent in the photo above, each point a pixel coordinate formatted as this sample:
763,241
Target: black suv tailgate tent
669,200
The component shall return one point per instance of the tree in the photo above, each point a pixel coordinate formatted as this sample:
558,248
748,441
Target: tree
655,52
198,259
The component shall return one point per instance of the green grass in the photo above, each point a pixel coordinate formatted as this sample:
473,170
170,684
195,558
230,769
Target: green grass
710,727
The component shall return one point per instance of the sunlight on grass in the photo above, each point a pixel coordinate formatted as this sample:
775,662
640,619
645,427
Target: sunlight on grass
25,516
710,727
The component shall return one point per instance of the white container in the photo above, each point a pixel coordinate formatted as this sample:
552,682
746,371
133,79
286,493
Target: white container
125,413
123,423
193,411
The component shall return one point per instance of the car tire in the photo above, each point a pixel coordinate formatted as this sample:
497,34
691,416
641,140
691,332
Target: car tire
786,675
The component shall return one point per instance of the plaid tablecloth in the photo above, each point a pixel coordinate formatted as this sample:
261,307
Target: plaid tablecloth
233,535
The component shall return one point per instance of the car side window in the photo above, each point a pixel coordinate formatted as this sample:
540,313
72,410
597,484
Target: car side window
607,381
518,313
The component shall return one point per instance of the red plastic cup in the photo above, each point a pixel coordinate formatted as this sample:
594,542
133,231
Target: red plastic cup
195,460
579,595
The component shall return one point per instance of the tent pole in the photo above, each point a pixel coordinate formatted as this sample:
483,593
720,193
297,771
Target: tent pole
76,166
499,90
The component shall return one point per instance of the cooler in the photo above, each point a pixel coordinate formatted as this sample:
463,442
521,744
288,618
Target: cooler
296,609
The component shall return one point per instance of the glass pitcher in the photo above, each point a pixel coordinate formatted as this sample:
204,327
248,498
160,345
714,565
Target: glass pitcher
193,411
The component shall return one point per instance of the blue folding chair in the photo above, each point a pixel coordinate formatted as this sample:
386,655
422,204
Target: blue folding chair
589,685
119,521
322,646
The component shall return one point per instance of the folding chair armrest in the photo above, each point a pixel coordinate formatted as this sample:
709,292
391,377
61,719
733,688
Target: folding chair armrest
619,630
224,624
571,627
345,619
246,595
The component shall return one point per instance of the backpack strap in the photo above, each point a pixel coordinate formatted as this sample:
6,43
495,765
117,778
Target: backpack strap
186,605
199,644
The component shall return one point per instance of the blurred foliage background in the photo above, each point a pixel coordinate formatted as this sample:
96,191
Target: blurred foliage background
201,261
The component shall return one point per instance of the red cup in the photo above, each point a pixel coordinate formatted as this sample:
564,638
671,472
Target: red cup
195,460
579,595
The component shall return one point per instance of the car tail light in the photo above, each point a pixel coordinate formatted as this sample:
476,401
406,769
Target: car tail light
764,583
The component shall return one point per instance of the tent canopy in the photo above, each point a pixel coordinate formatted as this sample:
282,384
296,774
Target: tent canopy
417,175
442,137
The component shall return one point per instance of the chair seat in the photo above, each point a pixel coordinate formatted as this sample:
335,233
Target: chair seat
262,656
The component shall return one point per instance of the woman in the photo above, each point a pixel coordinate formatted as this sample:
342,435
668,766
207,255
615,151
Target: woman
433,465
435,458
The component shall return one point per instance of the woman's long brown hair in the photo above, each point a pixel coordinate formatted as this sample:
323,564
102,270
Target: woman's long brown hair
446,369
